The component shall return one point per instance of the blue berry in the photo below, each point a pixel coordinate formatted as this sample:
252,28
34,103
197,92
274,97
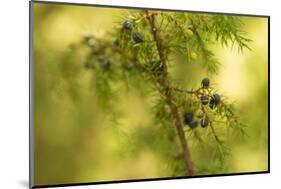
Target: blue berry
127,25
204,100
137,37
157,67
187,117
217,98
205,82
193,124
204,123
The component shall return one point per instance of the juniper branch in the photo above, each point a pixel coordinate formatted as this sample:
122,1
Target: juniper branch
153,48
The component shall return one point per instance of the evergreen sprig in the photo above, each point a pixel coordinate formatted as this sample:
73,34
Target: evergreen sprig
139,53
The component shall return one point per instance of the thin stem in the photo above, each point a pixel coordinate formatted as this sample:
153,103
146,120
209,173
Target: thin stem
211,125
196,92
167,91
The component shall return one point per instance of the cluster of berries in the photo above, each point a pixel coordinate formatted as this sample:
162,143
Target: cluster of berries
136,36
213,100
205,99
104,63
188,120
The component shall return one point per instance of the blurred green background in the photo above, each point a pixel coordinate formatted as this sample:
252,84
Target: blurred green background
77,141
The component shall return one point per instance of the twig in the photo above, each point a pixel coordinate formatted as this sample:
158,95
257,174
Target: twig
211,125
164,82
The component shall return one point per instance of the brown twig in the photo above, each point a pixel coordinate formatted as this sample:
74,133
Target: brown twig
167,91
211,125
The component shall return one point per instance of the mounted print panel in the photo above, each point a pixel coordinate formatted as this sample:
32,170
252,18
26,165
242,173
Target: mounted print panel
123,94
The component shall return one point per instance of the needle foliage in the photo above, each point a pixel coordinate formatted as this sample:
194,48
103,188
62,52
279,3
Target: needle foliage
138,53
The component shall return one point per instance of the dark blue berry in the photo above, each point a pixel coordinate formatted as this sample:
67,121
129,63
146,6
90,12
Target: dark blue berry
137,37
193,124
157,67
217,99
204,100
127,25
205,82
187,117
204,123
